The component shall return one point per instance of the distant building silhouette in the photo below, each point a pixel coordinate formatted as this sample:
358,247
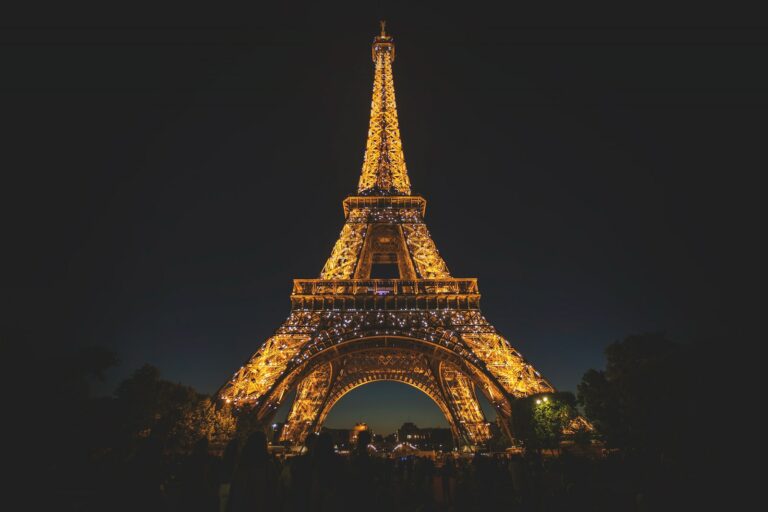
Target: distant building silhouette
435,438
359,427
346,438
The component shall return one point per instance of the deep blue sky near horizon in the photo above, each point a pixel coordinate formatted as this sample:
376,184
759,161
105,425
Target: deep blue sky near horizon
196,164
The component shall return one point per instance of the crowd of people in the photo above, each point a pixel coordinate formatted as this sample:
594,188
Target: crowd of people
246,477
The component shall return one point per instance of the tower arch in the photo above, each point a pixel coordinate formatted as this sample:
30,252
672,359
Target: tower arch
347,328
395,368
430,362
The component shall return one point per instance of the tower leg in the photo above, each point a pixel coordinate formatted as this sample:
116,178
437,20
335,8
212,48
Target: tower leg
462,400
311,394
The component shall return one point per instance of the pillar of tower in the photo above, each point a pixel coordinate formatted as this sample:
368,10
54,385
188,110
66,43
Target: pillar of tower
420,326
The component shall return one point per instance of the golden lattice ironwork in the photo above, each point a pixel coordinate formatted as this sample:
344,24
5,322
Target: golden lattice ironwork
341,264
384,171
578,424
506,364
350,327
263,369
428,261
388,364
310,396
463,400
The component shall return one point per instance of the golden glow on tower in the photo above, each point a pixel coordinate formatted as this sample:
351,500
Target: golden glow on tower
384,171
348,328
343,260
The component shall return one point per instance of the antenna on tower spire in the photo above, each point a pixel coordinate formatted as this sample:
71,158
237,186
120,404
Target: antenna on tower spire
384,171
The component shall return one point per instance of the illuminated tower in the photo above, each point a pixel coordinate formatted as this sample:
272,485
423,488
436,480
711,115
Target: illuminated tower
385,307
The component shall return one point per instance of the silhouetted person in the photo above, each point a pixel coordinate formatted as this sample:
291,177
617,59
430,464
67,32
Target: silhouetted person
482,480
362,478
143,479
254,484
326,475
198,481
448,475
226,472
295,478
517,475
425,471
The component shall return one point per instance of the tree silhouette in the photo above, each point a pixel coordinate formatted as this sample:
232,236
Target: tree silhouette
148,405
643,401
538,420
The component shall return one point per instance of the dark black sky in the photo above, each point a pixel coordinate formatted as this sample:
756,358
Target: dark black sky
171,168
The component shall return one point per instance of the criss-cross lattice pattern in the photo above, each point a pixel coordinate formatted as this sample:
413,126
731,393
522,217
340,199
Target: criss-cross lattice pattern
423,328
463,399
310,395
429,263
516,375
385,364
260,373
341,264
384,171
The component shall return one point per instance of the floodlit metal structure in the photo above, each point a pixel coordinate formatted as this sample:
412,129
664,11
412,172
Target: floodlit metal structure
348,328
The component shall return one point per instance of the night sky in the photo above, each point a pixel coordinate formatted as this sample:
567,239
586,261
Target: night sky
173,169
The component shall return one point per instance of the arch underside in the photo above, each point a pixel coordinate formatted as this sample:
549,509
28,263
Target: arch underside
449,355
443,379
348,327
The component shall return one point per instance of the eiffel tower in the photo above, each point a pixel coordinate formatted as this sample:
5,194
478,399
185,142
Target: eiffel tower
348,328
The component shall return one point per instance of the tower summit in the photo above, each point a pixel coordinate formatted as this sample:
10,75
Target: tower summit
384,172
385,307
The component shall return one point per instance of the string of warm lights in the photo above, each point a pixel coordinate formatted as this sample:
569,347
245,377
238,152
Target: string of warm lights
384,171
346,328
